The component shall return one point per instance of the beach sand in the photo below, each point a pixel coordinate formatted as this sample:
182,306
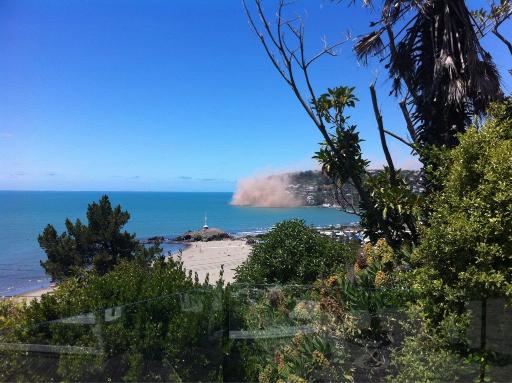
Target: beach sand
31,295
201,257
207,258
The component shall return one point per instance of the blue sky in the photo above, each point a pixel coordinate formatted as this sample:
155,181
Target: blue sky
167,95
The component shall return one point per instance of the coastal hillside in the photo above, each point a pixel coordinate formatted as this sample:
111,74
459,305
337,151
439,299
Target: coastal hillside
305,188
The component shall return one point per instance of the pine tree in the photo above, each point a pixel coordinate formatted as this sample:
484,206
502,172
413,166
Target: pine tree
100,245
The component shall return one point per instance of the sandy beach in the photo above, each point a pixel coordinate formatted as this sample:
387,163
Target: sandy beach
207,258
34,294
201,257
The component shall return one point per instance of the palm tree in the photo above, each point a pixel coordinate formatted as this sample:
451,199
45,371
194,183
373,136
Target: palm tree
433,49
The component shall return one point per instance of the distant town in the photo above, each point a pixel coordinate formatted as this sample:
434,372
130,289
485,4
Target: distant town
315,189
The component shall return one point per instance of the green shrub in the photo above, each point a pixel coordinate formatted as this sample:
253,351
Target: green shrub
465,252
293,253
295,338
141,323
427,355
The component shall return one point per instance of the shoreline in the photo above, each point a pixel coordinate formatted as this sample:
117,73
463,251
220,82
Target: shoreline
30,295
213,253
199,257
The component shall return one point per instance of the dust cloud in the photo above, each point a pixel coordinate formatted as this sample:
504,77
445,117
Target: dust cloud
265,191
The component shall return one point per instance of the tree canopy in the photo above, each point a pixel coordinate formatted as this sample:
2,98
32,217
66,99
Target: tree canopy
293,253
100,245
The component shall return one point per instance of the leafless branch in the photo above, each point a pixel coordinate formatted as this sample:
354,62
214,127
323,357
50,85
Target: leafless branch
401,139
498,15
408,120
293,62
265,22
261,37
306,73
380,126
328,50
502,38
495,22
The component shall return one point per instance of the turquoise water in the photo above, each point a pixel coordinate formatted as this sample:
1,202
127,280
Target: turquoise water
23,215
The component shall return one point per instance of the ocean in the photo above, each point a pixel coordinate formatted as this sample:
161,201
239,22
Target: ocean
24,214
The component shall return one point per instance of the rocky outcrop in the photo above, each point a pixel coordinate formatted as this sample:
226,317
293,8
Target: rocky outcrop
212,234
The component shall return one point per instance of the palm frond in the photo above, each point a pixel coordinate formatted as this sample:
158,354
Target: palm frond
369,45
484,82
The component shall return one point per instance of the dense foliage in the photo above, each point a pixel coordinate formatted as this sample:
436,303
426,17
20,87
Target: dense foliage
337,329
435,59
101,244
466,251
427,353
132,324
420,302
313,354
293,253
307,307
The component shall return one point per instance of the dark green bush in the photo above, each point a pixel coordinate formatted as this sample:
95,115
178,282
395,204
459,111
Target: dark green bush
293,253
100,245
134,324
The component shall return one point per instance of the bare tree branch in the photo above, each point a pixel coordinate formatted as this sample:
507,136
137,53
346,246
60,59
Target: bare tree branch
265,45
380,125
264,20
408,120
345,204
342,200
304,68
329,50
495,23
401,139
288,71
502,38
